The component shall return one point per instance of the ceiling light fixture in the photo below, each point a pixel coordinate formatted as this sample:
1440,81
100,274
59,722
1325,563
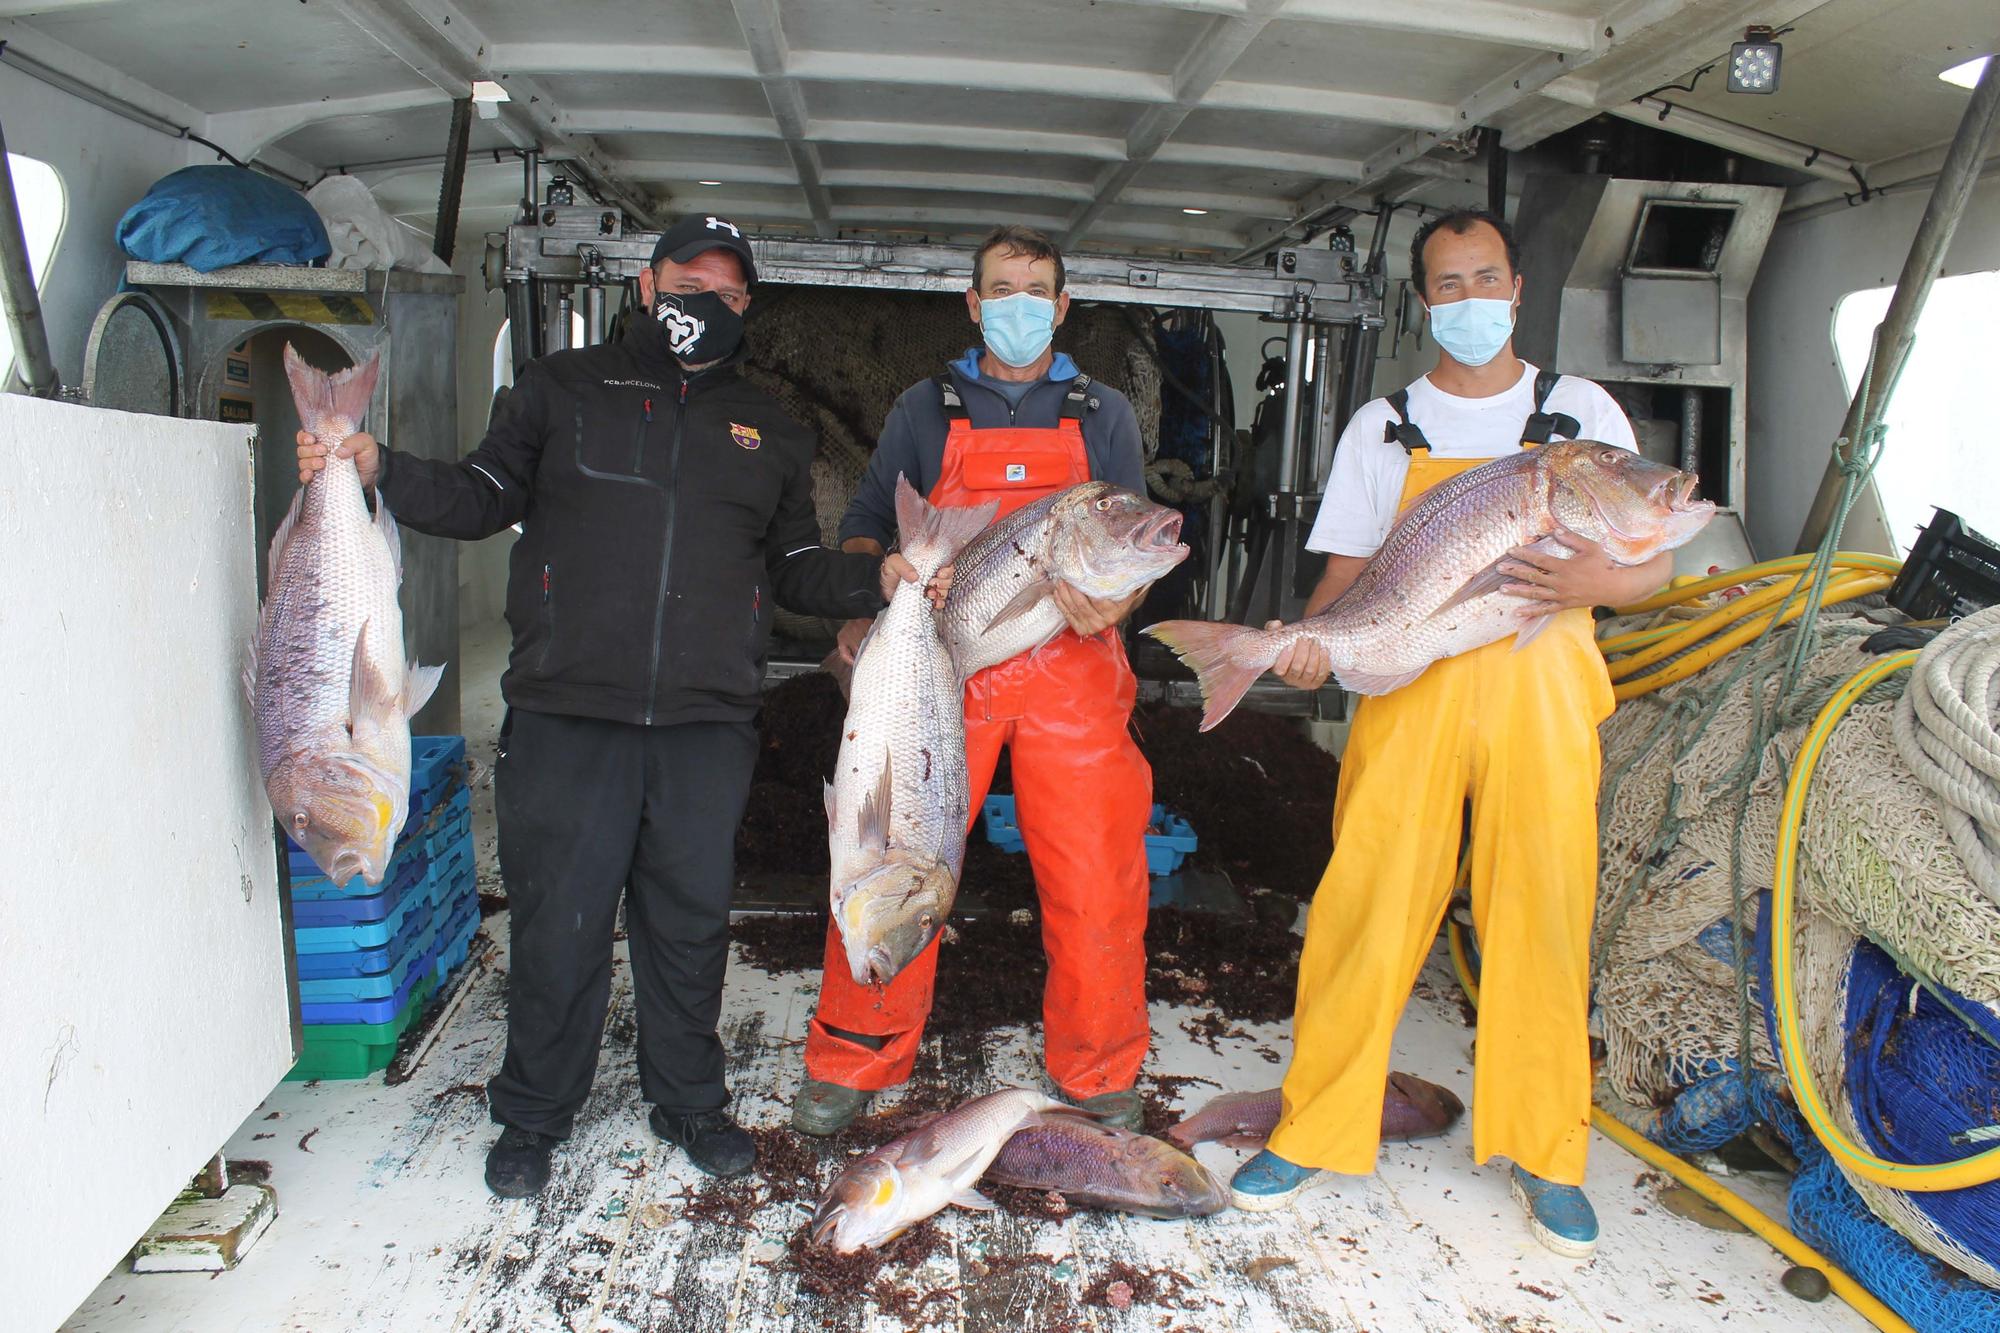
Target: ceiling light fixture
1966,75
1195,212
708,182
1753,62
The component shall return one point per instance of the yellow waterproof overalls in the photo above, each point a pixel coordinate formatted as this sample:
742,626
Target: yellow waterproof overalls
1517,732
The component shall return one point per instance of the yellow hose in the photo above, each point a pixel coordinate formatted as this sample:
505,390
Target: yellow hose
1845,588
1689,631
1790,564
1978,1169
1749,1214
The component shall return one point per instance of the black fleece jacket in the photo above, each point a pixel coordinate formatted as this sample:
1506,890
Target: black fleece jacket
662,513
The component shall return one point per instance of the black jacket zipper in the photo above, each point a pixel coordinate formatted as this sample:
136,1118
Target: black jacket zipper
666,543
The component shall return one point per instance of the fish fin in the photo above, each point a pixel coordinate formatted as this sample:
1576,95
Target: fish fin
875,809
973,1201
1489,579
1529,632
1215,654
331,404
279,538
370,699
1365,682
1022,602
419,684
392,535
1243,1140
930,536
250,672
827,797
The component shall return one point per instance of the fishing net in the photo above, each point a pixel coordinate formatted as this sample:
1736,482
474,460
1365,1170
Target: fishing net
838,358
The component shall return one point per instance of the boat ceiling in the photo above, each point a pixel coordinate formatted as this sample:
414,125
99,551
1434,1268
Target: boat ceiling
1101,121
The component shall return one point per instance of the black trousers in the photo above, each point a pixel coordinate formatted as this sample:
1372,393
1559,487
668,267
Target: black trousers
590,811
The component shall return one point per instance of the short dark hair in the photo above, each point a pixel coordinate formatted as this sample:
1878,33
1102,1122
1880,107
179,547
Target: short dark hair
1016,240
1458,222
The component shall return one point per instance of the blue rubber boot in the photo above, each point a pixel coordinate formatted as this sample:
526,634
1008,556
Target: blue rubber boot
1267,1181
1560,1216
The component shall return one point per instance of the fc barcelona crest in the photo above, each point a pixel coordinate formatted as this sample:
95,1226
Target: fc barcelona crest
745,436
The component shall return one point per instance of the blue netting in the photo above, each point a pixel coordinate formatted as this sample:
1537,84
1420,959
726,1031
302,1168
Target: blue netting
1919,1078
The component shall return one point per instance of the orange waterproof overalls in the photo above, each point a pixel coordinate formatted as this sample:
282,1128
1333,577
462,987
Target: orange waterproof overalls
1516,731
1082,794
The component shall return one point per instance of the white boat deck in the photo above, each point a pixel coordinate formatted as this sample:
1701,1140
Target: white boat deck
385,1223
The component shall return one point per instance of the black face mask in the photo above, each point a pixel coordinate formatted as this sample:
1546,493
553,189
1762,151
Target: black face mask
698,327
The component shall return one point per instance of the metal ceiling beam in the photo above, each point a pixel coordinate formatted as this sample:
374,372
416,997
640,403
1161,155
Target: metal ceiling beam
248,132
1474,20
1259,159
1622,26
764,36
1743,139
652,120
1330,104
1680,44
1220,45
444,46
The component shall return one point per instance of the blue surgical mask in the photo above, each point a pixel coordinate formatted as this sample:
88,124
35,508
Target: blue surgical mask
1473,331
1018,328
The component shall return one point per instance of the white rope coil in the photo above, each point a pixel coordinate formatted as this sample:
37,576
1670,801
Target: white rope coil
1945,733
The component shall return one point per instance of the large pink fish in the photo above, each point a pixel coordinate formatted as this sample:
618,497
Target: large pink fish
332,691
1433,590
1411,1109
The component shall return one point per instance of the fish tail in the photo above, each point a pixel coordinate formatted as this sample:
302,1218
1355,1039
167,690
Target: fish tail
932,535
1226,659
331,404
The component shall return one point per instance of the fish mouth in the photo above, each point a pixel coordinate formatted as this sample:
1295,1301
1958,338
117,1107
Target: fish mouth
1161,530
1677,492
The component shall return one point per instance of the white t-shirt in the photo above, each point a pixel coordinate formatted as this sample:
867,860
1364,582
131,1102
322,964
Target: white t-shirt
1368,471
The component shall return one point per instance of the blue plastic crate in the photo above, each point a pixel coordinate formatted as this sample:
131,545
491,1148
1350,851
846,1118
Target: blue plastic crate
379,1010
451,877
408,861
375,985
408,942
364,934
450,823
1001,830
1164,850
317,907
455,942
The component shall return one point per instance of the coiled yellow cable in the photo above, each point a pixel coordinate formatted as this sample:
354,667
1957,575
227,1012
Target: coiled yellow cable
1844,588
1978,1169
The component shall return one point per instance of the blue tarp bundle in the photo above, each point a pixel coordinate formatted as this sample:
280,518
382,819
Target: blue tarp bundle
211,217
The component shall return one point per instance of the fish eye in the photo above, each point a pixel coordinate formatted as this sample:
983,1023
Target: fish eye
301,820
1608,456
1104,505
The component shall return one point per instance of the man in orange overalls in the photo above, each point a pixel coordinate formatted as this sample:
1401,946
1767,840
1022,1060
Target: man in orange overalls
1014,421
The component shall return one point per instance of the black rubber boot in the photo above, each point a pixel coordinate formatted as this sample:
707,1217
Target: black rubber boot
517,1165
712,1141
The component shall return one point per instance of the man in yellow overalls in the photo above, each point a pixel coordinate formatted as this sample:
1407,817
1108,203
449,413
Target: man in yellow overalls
1516,731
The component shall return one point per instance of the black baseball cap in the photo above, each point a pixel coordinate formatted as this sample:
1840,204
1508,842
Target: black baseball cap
699,232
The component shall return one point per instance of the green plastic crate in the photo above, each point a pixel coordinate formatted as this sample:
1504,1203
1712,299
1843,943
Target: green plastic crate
356,1050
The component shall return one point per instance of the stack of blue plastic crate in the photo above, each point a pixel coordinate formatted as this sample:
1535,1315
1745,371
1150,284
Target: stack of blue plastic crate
370,955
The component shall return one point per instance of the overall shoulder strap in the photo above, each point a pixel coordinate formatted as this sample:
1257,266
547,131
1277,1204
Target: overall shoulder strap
1543,425
1402,430
1078,400
954,406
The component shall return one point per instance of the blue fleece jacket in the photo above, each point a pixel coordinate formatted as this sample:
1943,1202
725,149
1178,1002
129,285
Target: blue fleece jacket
913,437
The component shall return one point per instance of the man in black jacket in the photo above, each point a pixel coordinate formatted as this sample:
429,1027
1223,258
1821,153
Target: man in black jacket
666,505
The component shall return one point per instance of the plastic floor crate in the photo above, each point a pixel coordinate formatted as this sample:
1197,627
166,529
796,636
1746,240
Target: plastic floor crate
409,875
452,876
450,823
1164,850
356,1050
408,942
362,935
455,944
382,1009
373,985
